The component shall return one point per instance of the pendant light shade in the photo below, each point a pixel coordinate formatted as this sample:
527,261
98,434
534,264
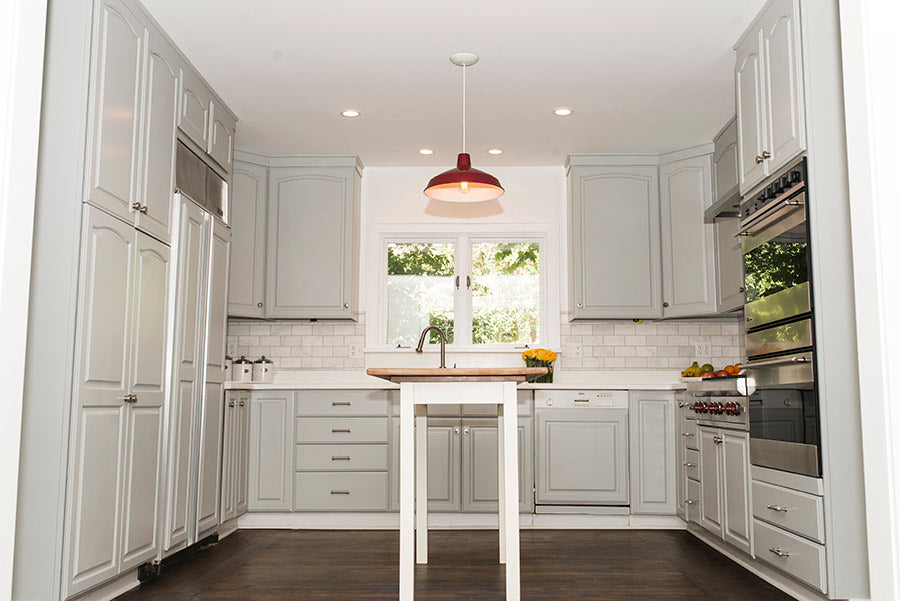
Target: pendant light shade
464,184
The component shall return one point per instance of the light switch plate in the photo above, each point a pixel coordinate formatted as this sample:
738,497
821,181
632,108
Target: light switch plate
574,350
355,350
703,350
232,348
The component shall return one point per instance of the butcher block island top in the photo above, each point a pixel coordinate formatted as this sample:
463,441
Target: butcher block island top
457,374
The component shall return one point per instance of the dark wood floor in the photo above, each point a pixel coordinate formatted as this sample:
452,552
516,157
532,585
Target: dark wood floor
557,565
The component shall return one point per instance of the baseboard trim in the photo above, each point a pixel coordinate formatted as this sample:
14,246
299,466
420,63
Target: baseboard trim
454,521
112,589
780,581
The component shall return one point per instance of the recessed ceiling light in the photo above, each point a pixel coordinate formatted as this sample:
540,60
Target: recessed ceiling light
350,113
426,151
495,151
562,111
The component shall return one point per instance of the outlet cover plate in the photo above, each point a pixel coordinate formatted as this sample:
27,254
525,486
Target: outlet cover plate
574,350
703,350
356,350
232,349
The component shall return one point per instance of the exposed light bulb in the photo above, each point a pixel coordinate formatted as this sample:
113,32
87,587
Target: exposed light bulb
464,187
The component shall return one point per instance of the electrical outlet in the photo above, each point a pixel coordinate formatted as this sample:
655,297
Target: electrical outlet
232,349
356,350
574,350
703,350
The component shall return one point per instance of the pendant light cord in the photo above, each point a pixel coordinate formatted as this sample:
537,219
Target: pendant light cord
464,110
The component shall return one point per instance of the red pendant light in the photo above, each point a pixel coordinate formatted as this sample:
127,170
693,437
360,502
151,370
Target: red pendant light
464,184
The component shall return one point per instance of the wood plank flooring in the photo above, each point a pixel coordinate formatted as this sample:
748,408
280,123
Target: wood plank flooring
557,565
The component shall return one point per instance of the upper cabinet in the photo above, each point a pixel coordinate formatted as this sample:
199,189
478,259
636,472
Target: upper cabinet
725,163
221,137
688,244
196,109
614,240
246,297
312,257
729,265
769,93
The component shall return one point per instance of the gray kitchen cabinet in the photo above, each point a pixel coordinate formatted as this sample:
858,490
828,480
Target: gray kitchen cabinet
221,137
614,239
688,244
729,265
248,240
680,476
242,462
112,515
196,107
725,483
769,93
235,454
312,256
443,464
479,465
160,111
115,109
582,457
271,442
725,164
652,456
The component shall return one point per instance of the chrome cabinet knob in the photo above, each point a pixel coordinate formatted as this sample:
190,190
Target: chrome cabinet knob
665,303
346,305
579,304
259,305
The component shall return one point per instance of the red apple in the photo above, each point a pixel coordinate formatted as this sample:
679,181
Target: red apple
708,374
721,373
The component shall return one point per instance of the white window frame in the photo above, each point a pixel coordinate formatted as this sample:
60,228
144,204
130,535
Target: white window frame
545,234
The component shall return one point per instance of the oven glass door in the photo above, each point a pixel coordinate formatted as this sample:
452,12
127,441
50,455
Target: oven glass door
784,430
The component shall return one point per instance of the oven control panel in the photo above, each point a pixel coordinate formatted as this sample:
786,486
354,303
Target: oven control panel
717,408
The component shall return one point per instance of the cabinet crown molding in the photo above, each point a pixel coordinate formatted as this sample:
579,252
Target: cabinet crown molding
612,159
300,160
686,153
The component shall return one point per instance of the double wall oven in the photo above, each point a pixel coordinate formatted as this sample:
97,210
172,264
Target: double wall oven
780,317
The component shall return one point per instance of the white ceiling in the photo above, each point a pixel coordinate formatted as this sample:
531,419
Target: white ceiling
641,75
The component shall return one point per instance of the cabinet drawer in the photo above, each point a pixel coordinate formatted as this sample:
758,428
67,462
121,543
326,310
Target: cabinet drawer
341,457
797,556
340,491
692,501
689,433
692,464
341,429
342,402
799,512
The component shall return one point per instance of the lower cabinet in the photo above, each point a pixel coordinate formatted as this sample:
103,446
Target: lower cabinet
235,455
652,452
271,439
582,457
725,480
462,465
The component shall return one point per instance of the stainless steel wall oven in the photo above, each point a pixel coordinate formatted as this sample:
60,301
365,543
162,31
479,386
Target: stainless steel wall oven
780,319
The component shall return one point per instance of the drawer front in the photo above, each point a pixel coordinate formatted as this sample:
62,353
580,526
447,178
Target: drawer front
689,433
799,512
692,464
692,501
341,429
343,402
341,457
797,556
340,491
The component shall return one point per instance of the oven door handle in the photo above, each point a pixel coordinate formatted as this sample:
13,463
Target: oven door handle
771,362
763,217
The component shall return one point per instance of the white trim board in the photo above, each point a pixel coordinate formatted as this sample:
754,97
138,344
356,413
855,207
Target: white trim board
455,521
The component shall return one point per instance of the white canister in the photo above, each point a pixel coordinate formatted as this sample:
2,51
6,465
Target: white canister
263,370
242,370
229,368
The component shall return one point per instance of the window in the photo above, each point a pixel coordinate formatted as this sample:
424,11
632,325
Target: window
482,291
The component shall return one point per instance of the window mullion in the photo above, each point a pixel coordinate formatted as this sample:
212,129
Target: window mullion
464,322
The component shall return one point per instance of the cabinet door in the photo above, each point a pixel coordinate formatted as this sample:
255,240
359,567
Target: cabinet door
158,148
479,466
208,459
96,469
680,477
729,265
443,465
196,108
725,162
217,307
689,260
749,104
248,241
243,453
615,262
144,418
221,137
309,259
786,127
271,439
652,435
738,522
227,496
118,52
710,470
184,400
582,457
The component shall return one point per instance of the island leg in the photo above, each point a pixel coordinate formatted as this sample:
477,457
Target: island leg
501,489
407,458
511,485
421,484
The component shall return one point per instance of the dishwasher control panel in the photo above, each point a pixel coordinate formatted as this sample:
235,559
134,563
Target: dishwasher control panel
595,399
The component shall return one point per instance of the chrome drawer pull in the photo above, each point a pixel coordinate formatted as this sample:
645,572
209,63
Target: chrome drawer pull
341,458
340,403
779,552
687,433
340,492
689,464
779,508
718,439
690,501
340,430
